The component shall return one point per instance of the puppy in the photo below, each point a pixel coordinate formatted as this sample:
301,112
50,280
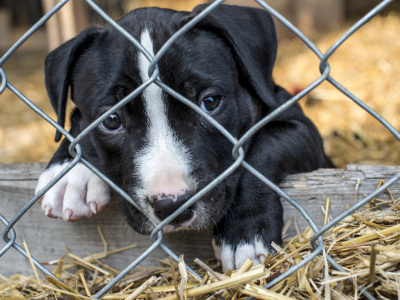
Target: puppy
160,151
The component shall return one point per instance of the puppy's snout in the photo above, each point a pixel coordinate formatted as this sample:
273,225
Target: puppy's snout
165,205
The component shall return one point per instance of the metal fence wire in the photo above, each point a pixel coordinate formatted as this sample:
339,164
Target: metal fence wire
9,234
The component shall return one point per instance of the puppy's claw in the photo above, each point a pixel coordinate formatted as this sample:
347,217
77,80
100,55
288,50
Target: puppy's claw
93,207
49,212
262,258
40,200
71,216
68,214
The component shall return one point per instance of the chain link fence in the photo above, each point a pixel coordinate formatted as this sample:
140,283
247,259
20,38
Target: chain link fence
9,234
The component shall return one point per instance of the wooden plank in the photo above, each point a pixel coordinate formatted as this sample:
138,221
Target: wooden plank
46,237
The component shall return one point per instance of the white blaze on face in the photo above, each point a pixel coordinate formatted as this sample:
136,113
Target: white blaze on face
164,163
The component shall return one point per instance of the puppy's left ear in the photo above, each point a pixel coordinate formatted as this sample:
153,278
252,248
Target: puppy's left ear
59,66
250,32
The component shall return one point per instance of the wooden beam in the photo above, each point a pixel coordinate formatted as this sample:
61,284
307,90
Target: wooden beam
46,237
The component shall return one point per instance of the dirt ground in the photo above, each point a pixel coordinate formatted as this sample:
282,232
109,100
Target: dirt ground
368,64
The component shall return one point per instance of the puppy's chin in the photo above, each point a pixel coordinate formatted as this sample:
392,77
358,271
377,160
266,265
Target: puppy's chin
199,221
174,226
205,215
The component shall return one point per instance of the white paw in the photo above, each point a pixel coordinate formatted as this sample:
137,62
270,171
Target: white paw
233,259
80,193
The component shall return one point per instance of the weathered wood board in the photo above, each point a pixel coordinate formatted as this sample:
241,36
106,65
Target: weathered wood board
46,237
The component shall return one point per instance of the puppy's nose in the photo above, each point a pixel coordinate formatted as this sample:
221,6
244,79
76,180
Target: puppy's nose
165,205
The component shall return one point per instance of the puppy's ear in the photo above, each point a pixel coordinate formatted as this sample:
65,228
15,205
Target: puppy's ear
59,65
250,33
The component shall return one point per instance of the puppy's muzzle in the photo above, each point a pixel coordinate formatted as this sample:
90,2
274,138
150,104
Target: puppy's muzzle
164,205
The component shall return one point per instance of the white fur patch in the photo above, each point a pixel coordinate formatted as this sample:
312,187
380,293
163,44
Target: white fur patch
227,257
230,259
164,164
78,194
217,249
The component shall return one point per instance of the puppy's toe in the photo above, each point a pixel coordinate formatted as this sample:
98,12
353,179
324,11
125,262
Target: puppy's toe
234,257
74,205
52,201
86,194
98,194
256,251
227,257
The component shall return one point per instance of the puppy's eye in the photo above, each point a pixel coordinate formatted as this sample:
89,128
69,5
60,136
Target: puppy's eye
210,103
112,123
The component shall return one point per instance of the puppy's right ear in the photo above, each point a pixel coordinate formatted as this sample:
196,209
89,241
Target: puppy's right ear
59,66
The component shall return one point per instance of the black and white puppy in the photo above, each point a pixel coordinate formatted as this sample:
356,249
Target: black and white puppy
160,151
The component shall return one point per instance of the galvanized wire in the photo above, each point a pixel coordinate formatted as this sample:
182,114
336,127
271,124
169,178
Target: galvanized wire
9,234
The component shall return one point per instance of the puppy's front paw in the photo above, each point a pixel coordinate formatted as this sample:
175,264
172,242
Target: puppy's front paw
78,194
233,256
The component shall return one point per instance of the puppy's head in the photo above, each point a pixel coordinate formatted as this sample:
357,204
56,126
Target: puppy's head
159,150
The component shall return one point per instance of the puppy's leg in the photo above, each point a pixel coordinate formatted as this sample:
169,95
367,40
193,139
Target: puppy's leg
80,193
249,229
255,219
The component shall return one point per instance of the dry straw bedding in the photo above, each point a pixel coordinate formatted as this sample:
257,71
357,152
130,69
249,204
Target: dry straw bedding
368,65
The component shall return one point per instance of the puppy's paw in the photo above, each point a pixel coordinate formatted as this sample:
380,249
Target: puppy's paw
233,256
80,193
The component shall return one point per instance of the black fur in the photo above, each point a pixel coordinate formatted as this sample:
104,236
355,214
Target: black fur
231,52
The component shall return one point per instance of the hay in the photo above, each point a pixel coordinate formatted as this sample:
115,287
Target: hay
366,244
368,65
